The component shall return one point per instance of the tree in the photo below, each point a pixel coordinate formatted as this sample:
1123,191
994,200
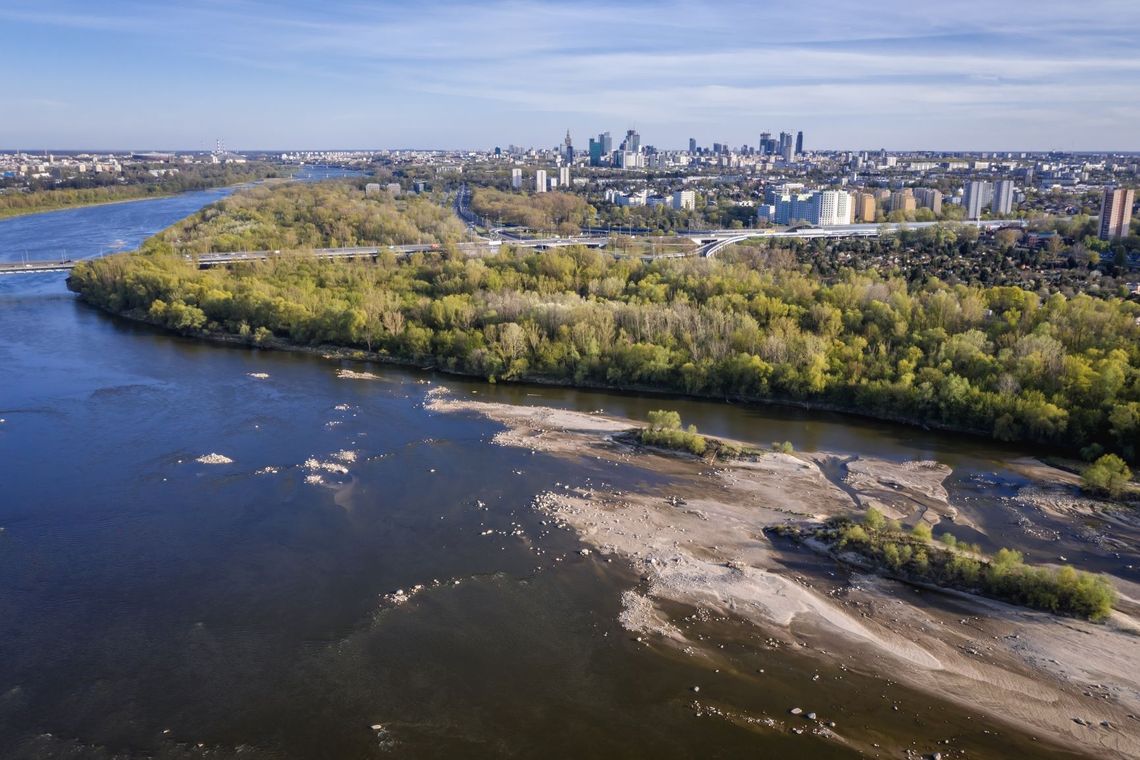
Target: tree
1108,475
874,519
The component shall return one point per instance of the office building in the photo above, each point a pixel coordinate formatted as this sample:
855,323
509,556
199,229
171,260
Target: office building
684,199
789,153
974,199
1003,197
595,152
564,176
692,145
516,179
799,143
1116,212
568,148
632,141
540,181
786,143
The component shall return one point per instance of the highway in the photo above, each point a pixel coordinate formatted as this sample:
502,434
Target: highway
710,243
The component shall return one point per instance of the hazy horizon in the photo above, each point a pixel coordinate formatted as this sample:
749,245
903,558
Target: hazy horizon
459,75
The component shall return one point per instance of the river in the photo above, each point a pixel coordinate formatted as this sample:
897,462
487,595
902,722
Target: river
152,605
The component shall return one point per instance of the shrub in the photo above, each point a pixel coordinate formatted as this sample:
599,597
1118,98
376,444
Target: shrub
1107,475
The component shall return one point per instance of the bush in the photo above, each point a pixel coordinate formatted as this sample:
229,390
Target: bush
1005,576
1107,475
665,430
874,519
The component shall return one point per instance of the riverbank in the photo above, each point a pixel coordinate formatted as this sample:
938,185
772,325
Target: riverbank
139,193
341,353
700,543
14,213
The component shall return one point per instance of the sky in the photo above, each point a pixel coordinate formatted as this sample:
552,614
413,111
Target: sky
285,74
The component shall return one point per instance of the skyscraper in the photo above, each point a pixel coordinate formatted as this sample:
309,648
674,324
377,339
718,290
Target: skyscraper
568,148
799,143
595,152
975,198
1003,196
607,143
692,145
1116,212
765,143
786,143
632,141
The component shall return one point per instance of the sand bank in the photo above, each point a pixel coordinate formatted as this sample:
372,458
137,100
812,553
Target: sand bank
700,542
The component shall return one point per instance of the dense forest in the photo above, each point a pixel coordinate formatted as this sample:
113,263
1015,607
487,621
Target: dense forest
959,254
1001,361
91,189
297,216
565,213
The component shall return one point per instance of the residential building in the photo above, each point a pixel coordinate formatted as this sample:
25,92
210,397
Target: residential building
903,200
1116,212
564,176
684,199
928,198
1003,197
831,207
516,179
975,199
865,207
540,181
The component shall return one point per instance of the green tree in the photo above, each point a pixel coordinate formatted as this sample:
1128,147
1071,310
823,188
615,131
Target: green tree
1108,475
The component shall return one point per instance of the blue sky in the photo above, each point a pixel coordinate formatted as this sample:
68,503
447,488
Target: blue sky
994,75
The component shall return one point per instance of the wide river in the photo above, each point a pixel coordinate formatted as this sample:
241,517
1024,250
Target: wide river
155,606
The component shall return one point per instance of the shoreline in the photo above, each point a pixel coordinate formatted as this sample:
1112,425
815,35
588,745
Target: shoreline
699,542
70,206
343,353
159,196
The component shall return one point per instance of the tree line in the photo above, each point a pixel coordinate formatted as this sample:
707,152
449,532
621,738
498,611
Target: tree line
136,184
1000,361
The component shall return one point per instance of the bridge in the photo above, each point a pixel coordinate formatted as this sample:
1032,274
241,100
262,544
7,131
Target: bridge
208,260
711,243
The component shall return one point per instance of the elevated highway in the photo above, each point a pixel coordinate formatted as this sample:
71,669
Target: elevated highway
710,244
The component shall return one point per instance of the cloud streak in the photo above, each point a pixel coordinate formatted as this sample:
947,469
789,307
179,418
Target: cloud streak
992,75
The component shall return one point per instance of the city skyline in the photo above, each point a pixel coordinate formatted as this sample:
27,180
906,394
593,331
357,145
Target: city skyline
286,76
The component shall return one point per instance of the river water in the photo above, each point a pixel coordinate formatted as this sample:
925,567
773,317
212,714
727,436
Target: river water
155,606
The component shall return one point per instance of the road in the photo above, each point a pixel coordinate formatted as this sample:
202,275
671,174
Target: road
710,244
